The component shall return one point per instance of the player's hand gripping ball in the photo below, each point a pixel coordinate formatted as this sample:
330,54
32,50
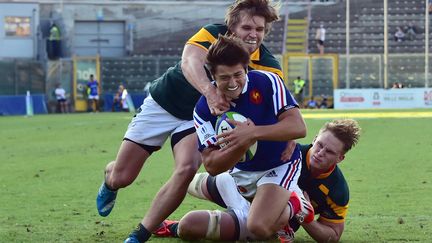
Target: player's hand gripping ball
222,126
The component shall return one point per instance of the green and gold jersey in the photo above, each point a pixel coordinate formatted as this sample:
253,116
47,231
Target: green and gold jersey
177,96
328,193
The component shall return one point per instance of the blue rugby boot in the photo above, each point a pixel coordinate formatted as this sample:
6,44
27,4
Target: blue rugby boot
139,235
105,200
132,239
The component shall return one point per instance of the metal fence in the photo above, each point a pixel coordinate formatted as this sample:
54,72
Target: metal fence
324,73
367,71
133,72
18,76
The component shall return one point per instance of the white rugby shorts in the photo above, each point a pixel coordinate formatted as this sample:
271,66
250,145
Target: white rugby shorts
93,97
285,175
153,125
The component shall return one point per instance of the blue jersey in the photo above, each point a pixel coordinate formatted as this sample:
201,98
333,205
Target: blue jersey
263,99
93,86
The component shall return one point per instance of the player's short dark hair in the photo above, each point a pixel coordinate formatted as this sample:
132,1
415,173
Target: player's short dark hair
227,50
264,8
346,130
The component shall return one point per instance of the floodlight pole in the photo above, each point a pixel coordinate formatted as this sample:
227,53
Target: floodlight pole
385,45
426,44
309,18
285,34
347,45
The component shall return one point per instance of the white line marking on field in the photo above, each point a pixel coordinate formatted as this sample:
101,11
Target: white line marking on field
420,114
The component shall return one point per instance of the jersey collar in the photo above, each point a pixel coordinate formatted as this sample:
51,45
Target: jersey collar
322,175
255,56
246,84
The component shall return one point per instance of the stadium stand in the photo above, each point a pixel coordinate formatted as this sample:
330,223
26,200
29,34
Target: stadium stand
158,36
133,72
367,26
296,39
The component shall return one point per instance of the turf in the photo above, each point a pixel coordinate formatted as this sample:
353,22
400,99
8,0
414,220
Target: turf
52,165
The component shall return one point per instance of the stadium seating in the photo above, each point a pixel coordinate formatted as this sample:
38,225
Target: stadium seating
274,41
151,58
367,23
133,72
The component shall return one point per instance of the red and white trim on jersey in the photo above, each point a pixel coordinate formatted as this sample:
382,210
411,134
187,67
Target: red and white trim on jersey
205,131
198,121
291,172
279,94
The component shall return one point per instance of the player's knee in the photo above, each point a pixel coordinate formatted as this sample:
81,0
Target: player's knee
186,230
185,172
193,226
195,187
259,229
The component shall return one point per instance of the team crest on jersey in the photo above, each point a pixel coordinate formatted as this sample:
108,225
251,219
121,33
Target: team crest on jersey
255,97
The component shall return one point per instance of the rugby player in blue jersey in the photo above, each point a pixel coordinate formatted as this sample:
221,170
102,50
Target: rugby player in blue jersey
167,112
273,119
92,94
321,179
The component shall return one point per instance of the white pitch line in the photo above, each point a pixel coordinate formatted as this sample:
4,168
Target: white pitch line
419,114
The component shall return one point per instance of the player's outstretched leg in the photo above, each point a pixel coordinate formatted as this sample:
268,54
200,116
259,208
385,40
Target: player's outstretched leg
171,194
119,174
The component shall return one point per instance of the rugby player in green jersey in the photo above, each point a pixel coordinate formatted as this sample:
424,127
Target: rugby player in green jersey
321,179
167,112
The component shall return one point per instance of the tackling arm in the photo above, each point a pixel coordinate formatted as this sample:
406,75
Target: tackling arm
193,60
323,231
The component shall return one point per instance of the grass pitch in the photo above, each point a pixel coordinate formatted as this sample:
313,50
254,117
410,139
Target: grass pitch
51,167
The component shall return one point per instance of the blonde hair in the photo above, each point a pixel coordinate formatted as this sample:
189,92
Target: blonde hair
346,130
265,8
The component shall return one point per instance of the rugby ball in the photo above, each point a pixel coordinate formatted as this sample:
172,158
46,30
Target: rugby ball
222,126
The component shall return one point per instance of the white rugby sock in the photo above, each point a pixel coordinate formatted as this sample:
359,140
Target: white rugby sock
230,195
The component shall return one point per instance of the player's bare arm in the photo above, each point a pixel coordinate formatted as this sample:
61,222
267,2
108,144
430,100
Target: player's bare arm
193,60
287,153
324,231
217,161
290,126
